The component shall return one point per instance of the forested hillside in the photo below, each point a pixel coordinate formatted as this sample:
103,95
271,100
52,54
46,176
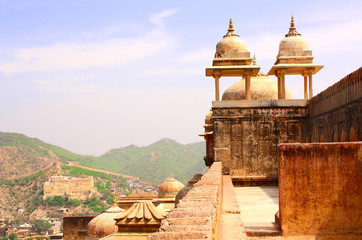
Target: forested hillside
21,156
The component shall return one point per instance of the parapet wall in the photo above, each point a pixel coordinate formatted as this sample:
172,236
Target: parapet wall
320,189
196,216
335,115
75,227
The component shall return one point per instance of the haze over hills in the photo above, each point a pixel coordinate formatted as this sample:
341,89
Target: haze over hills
21,156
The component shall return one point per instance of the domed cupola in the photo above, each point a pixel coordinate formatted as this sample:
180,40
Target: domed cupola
232,59
104,224
294,48
231,46
294,58
169,188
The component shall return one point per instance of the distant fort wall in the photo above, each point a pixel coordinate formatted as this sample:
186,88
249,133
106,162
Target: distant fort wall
335,115
75,188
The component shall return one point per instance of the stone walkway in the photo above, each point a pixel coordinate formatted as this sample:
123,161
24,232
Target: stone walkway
258,206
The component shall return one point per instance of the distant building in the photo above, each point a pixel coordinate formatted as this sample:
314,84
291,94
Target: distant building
75,188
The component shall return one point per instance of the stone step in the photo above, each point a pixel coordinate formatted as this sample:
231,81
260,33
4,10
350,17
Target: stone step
180,235
187,228
189,221
262,229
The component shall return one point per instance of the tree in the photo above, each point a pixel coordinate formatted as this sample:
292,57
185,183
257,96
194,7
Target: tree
41,226
13,236
56,201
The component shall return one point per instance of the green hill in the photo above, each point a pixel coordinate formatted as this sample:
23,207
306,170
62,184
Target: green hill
157,161
21,156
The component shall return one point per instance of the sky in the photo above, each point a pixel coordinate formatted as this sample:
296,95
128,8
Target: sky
93,75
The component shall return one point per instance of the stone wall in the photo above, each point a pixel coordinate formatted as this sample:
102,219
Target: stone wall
320,189
335,115
75,227
75,188
196,215
247,133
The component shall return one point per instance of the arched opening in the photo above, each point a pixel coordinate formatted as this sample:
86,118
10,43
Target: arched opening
335,137
343,137
352,135
321,138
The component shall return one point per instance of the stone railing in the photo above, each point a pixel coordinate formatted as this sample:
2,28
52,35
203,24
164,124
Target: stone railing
197,214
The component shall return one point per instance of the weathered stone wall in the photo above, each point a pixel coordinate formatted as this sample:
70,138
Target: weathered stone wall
320,189
196,214
335,115
246,138
75,188
75,227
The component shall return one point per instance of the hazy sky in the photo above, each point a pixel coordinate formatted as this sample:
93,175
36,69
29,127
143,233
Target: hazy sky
94,75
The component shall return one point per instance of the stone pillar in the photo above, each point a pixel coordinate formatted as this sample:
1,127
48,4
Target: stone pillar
217,77
279,87
283,86
310,86
247,87
305,86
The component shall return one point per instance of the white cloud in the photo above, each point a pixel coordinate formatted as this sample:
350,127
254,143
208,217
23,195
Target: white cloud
158,18
75,56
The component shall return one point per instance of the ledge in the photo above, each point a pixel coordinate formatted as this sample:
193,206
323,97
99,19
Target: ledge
260,103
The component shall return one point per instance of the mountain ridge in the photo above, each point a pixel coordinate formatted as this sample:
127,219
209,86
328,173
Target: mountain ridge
152,163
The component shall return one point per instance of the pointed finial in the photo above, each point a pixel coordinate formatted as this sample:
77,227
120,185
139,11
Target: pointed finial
254,60
231,25
292,30
171,175
231,31
114,198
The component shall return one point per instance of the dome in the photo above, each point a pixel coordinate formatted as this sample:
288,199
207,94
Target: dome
261,86
104,224
231,45
293,43
169,188
208,118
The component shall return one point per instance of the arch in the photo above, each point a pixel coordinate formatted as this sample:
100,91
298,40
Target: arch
335,137
352,135
343,137
321,138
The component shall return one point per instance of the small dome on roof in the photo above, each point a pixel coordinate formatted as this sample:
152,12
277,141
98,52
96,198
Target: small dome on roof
208,117
104,224
231,45
293,41
169,188
261,86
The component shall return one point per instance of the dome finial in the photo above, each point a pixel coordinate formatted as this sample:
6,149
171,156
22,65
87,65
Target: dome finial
292,30
231,25
231,30
254,60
